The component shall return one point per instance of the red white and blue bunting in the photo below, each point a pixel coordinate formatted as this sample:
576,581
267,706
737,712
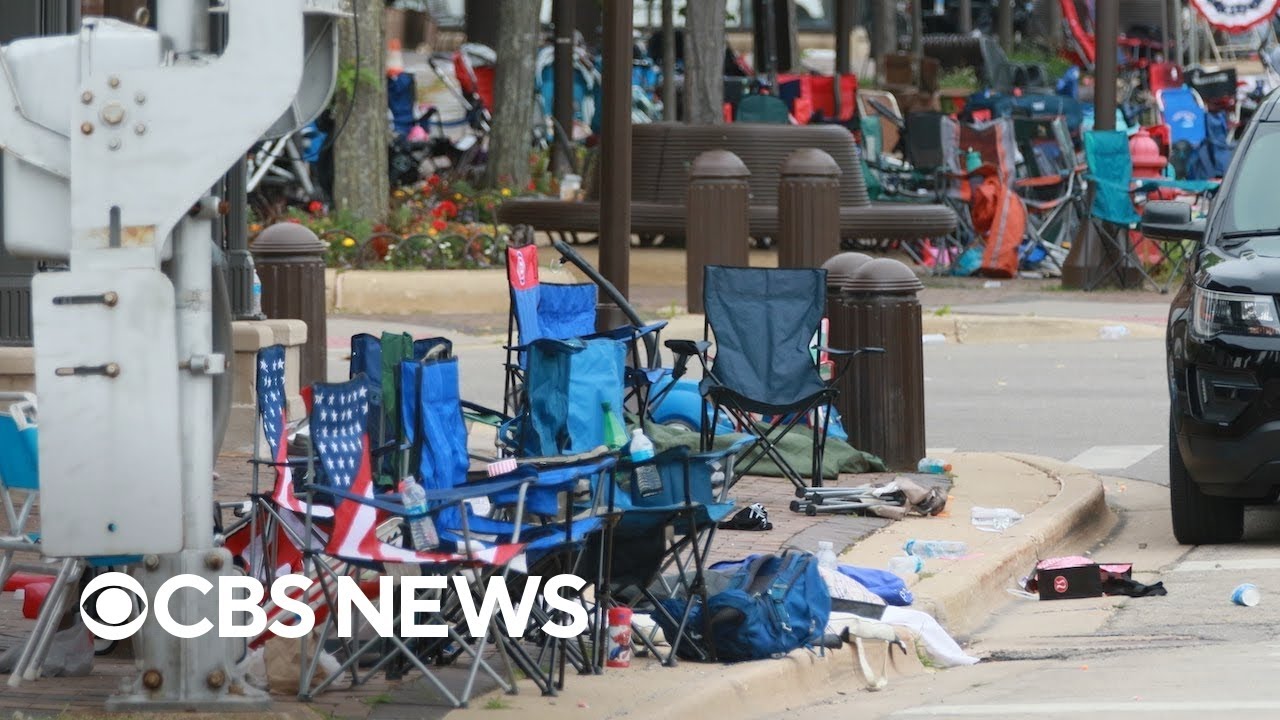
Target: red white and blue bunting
1236,16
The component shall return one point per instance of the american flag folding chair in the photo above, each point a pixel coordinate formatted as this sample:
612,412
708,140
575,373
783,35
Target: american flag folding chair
432,419
339,424
268,540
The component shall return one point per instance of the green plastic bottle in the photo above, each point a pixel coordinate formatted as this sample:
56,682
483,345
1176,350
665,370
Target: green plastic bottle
615,437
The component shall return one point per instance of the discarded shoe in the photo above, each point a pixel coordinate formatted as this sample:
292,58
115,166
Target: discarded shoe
748,518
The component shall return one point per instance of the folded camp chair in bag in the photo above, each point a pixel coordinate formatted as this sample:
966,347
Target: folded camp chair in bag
377,359
20,473
339,420
763,321
433,423
663,527
1113,212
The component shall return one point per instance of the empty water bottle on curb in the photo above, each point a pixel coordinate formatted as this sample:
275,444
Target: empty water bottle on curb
648,481
905,565
933,466
994,519
826,555
936,548
421,529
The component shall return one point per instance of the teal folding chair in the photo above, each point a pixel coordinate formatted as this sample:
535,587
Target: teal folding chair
1114,210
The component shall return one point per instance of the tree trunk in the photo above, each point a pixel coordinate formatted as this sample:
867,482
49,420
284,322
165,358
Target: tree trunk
513,99
704,62
360,183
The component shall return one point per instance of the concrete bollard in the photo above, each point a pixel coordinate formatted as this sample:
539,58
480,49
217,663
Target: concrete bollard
882,399
289,259
808,209
716,228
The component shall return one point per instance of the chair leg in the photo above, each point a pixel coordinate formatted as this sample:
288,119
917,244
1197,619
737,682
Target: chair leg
31,660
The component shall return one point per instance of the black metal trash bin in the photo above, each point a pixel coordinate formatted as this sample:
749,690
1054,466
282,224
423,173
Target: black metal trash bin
289,259
882,402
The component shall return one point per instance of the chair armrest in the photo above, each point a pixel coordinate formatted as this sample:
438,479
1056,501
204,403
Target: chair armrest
290,462
688,347
484,414
451,496
387,447
852,353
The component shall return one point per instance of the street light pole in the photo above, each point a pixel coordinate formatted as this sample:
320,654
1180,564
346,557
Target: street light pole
615,161
1088,255
563,88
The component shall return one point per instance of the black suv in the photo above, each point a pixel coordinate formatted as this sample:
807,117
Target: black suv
1223,344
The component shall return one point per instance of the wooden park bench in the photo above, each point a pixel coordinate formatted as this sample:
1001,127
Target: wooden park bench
662,153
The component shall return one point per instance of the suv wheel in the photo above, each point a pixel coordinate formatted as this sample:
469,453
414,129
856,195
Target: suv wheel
1199,519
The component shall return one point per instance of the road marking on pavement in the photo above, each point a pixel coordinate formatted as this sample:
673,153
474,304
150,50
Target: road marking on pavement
1112,457
1243,564
1141,706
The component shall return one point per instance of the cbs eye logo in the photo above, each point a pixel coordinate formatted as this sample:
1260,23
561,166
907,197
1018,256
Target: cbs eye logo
108,604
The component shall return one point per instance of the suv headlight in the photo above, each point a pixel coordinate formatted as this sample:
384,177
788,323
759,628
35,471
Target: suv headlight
1215,313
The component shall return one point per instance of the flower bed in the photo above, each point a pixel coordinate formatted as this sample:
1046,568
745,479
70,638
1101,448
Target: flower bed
437,225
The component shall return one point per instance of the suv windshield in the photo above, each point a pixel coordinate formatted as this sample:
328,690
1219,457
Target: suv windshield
1253,203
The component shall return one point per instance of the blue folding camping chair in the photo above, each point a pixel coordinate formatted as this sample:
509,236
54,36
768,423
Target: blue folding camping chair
434,427
20,473
552,311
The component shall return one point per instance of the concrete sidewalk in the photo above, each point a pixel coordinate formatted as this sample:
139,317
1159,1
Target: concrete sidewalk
1065,513
964,309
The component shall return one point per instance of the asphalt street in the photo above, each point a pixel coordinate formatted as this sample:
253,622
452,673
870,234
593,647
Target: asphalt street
1191,653
1101,404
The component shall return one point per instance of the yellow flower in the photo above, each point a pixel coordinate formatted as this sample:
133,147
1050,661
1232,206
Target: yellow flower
399,193
348,242
506,192
433,232
457,196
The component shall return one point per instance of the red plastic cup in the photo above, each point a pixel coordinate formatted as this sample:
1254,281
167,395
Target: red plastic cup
619,641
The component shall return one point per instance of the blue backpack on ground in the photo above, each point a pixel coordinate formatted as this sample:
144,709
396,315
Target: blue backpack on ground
773,604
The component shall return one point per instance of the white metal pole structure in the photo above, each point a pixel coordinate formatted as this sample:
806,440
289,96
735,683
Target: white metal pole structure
101,172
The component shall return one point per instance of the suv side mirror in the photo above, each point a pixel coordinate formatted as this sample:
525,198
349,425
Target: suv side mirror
1170,220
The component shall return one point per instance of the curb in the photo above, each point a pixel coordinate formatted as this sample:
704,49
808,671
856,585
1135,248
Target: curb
1079,513
777,686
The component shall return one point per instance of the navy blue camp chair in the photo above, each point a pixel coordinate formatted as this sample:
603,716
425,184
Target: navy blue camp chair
764,321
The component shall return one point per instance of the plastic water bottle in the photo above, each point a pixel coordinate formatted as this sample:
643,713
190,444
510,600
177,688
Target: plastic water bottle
994,519
936,548
421,529
648,481
257,295
826,555
933,466
614,436
905,565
